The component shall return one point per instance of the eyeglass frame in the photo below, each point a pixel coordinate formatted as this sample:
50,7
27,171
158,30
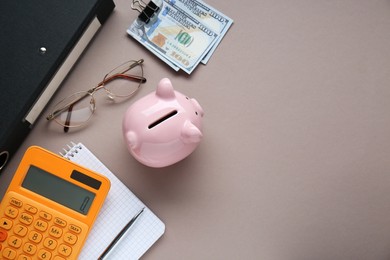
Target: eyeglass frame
99,86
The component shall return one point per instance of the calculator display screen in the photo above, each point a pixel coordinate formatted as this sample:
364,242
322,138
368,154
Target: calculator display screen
58,190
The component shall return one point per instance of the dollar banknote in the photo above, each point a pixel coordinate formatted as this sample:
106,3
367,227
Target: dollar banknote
175,37
209,16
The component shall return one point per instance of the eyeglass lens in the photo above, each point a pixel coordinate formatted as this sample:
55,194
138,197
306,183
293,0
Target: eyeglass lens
81,110
124,80
121,82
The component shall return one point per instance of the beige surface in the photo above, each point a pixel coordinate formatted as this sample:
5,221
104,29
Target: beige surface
295,160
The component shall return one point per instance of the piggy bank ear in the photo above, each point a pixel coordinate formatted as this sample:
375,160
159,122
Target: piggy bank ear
131,139
190,133
165,89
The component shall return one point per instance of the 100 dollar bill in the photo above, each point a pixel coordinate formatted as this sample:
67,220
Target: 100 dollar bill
175,36
209,16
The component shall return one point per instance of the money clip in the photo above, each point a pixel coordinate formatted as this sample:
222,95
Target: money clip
146,11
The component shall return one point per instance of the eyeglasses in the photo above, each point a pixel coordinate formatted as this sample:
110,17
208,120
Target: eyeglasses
77,109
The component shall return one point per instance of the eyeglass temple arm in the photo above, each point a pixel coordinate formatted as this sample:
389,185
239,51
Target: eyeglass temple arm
126,76
122,74
67,122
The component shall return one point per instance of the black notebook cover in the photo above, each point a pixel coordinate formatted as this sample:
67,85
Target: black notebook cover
39,42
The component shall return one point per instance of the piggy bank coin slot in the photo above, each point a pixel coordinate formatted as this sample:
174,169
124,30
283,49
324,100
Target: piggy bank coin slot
162,119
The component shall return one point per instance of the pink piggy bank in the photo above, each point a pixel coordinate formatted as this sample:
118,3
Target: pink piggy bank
163,127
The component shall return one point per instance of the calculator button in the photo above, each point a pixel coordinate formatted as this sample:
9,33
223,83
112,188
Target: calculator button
40,225
20,230
44,254
35,237
64,250
9,253
75,229
11,212
24,257
45,215
49,243
26,218
16,202
14,241
5,223
31,209
29,231
29,248
55,232
3,235
70,238
60,222
58,258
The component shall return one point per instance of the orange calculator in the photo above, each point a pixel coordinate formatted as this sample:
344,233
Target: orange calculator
49,207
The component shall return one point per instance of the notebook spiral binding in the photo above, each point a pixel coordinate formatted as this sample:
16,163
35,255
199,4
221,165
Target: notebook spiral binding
71,150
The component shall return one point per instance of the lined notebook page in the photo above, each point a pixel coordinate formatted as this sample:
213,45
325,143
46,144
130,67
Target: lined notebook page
119,208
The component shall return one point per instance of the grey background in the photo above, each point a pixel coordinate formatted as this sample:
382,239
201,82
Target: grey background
294,163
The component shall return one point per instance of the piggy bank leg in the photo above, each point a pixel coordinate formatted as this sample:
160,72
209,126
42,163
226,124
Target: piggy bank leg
131,139
190,133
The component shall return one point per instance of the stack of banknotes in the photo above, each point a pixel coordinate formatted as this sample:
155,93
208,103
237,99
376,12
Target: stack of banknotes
182,33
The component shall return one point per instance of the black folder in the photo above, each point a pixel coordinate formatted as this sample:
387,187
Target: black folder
40,40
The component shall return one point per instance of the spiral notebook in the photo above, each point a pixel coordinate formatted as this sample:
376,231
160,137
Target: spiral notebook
120,206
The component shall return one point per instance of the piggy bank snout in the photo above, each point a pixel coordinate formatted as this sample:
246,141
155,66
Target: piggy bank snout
197,106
